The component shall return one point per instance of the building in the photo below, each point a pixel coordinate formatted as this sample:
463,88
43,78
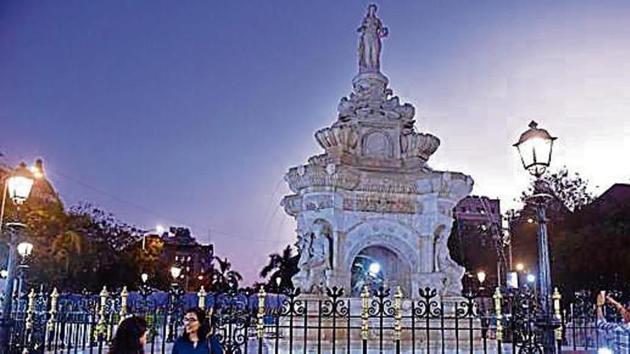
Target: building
180,248
615,197
476,232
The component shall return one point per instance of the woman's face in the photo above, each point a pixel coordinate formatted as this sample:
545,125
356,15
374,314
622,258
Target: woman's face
191,322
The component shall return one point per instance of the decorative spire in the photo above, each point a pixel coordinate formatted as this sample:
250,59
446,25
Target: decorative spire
372,31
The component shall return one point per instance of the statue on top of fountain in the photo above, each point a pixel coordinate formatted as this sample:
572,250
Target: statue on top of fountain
372,31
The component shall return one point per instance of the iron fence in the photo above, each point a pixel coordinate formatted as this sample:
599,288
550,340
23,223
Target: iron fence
380,321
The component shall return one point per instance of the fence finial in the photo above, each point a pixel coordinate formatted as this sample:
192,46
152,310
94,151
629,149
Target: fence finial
365,308
498,310
557,312
50,325
101,327
124,295
260,325
202,298
30,309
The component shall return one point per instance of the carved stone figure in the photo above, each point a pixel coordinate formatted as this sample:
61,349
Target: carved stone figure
451,271
372,31
315,261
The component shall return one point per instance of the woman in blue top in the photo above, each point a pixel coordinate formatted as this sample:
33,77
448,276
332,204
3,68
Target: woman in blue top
196,338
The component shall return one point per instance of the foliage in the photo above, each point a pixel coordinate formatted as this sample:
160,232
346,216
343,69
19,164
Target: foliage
570,191
221,277
283,266
584,238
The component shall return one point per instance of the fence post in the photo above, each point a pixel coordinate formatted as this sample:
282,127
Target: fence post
260,325
101,327
556,297
365,317
50,325
498,311
202,298
398,317
124,294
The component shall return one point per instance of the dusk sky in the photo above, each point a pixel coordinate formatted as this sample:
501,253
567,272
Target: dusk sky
190,112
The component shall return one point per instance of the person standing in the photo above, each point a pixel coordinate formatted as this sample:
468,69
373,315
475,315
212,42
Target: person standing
618,333
130,337
196,338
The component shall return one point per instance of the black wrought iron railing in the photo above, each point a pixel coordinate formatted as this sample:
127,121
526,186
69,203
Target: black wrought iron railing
380,321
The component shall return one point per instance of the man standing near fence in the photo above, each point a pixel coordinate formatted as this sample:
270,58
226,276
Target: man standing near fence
618,334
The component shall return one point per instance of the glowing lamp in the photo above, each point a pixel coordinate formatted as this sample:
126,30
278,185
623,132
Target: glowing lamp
176,272
535,147
19,184
25,249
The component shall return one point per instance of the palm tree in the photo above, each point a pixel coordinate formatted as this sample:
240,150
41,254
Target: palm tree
224,278
281,266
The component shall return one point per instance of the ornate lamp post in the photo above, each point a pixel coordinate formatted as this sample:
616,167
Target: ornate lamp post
18,185
175,295
24,250
535,147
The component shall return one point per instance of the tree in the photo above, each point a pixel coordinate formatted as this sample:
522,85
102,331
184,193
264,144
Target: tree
584,239
283,266
223,277
570,191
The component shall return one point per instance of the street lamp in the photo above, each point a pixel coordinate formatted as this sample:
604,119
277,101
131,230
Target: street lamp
535,147
18,186
520,267
481,276
531,278
144,277
24,249
176,271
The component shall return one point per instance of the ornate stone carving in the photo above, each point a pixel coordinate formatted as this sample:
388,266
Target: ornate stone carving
292,204
419,145
317,176
315,261
342,138
451,271
381,204
375,165
372,31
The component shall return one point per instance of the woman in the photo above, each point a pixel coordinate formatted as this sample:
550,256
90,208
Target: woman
196,338
131,336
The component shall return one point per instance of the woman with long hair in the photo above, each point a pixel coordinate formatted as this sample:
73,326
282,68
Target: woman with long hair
130,337
196,338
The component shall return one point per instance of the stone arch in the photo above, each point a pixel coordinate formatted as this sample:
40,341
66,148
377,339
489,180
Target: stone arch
377,144
396,237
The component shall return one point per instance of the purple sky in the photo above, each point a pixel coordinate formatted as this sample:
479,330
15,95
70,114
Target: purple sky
189,113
